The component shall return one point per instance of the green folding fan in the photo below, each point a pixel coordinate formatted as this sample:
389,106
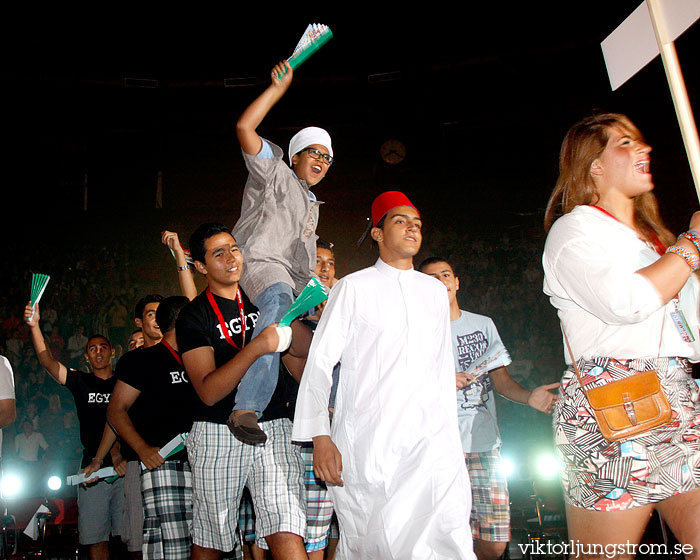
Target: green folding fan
315,36
313,294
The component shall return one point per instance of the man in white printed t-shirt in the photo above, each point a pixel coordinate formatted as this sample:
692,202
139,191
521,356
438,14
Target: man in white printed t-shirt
480,360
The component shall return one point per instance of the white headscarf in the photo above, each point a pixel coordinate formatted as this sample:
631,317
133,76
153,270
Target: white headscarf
307,136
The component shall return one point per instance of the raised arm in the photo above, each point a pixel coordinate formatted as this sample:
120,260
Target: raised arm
258,109
55,368
211,383
184,270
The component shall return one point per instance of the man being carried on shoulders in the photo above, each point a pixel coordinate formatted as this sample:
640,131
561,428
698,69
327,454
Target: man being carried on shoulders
277,233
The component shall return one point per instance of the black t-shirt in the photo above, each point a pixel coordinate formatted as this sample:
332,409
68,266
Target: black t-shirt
197,326
132,360
166,399
91,395
284,400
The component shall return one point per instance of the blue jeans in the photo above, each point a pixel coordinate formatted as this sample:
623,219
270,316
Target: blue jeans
258,384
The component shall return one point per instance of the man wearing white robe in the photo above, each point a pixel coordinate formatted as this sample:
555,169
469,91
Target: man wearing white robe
393,458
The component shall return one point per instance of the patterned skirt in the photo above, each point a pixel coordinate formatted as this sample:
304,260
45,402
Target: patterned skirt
606,476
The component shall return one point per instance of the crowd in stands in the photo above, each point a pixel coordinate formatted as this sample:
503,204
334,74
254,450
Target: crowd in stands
92,290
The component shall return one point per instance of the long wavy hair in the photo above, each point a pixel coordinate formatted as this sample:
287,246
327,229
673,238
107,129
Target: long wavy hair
582,145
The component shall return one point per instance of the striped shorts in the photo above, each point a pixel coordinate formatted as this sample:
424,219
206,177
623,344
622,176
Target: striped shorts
167,508
222,466
490,516
319,508
600,475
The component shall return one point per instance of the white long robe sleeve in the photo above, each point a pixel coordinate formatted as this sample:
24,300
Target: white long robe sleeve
406,493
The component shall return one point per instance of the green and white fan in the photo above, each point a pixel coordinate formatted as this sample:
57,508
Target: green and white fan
39,283
313,294
315,36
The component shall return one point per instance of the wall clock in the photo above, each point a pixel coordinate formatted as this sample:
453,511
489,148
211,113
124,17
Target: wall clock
393,151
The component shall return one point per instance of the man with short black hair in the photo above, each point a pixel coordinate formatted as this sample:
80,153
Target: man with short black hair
480,360
165,397
393,465
145,319
136,339
319,507
325,262
132,527
214,335
100,505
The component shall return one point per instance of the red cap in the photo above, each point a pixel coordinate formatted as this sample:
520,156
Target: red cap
386,201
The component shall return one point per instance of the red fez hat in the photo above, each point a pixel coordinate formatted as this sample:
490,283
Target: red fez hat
385,202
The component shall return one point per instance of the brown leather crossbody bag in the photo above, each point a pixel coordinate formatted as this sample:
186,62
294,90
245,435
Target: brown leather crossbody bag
626,407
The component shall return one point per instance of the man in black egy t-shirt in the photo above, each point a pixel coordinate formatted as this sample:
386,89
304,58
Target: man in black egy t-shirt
165,396
214,335
100,505
132,523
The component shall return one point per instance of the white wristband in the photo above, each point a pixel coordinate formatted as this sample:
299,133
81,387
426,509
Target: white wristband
285,338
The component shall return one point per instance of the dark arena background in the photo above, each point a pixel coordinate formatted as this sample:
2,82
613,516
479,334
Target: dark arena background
117,128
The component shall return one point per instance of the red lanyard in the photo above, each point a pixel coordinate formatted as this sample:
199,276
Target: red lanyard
222,324
172,351
660,248
604,212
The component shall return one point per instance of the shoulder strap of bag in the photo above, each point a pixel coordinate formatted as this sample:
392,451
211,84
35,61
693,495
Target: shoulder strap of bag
575,364
573,360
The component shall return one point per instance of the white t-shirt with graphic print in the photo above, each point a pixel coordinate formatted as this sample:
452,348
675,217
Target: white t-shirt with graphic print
477,349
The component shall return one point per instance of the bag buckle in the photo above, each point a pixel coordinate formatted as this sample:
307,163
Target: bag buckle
629,408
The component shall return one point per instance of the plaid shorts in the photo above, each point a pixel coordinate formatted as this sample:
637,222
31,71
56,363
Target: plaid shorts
319,508
167,508
246,518
222,466
490,516
334,532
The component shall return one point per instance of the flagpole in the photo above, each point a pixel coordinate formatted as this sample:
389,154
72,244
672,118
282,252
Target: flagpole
679,93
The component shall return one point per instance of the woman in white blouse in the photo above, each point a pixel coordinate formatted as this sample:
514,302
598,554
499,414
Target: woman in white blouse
627,298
